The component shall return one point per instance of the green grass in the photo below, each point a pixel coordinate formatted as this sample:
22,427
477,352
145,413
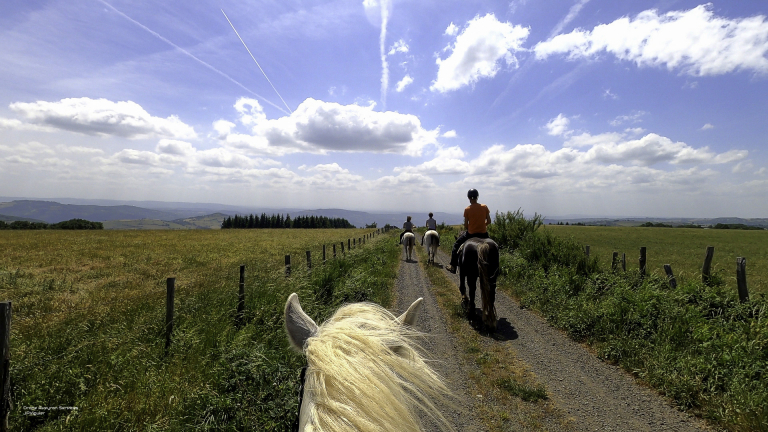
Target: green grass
88,323
697,343
682,248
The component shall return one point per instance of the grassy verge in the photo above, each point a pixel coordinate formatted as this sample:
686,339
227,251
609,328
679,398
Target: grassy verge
696,344
508,394
88,328
683,248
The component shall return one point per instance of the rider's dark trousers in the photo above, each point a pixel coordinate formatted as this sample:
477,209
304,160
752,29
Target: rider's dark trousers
460,241
403,233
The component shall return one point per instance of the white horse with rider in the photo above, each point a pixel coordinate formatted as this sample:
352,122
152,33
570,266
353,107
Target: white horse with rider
431,239
408,238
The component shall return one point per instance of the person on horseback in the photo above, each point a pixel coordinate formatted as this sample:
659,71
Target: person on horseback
431,225
407,227
477,217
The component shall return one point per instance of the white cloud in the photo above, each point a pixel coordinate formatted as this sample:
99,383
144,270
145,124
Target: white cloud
451,30
649,150
222,158
707,126
695,41
743,167
446,161
449,134
15,124
608,94
398,47
102,117
251,112
320,127
477,52
137,157
79,150
403,83
223,128
404,182
634,117
174,147
558,125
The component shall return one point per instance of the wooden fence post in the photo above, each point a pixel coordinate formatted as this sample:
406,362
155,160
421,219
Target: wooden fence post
287,265
623,261
706,268
741,279
353,242
349,244
334,250
309,260
614,261
323,253
642,261
241,294
170,293
586,250
5,356
342,248
670,276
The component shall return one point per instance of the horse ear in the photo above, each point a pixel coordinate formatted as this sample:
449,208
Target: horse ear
298,325
409,317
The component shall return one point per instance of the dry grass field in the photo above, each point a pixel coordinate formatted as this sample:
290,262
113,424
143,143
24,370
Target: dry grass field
88,323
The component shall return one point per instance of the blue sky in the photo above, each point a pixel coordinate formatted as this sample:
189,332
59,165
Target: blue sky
590,107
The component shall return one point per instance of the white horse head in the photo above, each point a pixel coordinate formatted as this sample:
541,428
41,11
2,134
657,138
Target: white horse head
431,241
409,240
364,370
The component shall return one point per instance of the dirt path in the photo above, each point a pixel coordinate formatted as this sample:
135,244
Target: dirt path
594,395
411,284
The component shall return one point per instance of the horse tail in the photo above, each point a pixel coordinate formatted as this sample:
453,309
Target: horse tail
487,274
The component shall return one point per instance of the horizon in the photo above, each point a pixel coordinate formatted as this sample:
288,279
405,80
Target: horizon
587,107
370,211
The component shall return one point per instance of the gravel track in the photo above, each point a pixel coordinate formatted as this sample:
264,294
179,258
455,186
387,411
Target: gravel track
596,396
411,284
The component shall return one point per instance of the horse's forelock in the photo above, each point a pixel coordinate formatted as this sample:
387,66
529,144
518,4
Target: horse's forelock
364,361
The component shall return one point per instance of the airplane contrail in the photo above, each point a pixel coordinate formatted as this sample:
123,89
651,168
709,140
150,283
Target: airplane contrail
384,5
254,60
153,33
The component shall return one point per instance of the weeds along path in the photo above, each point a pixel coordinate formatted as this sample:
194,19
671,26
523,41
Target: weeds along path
589,393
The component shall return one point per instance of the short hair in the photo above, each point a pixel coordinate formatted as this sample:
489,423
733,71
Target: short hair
409,218
430,214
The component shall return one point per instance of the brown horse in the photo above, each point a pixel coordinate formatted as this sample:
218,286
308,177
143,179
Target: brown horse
479,259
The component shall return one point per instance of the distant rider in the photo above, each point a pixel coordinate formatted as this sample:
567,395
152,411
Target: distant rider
477,217
431,225
407,227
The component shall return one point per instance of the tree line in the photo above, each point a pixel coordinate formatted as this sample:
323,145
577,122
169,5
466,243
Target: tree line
72,224
278,221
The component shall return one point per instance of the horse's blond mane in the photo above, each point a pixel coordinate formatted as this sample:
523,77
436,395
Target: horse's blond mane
365,373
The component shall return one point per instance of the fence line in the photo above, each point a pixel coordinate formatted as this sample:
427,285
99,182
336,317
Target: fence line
5,322
706,277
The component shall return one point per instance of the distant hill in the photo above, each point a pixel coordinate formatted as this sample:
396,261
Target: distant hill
212,221
5,218
53,212
761,222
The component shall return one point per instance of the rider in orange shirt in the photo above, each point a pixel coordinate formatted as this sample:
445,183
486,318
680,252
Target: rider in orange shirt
477,217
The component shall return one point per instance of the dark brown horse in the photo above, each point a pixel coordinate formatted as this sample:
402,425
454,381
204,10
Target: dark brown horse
479,259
